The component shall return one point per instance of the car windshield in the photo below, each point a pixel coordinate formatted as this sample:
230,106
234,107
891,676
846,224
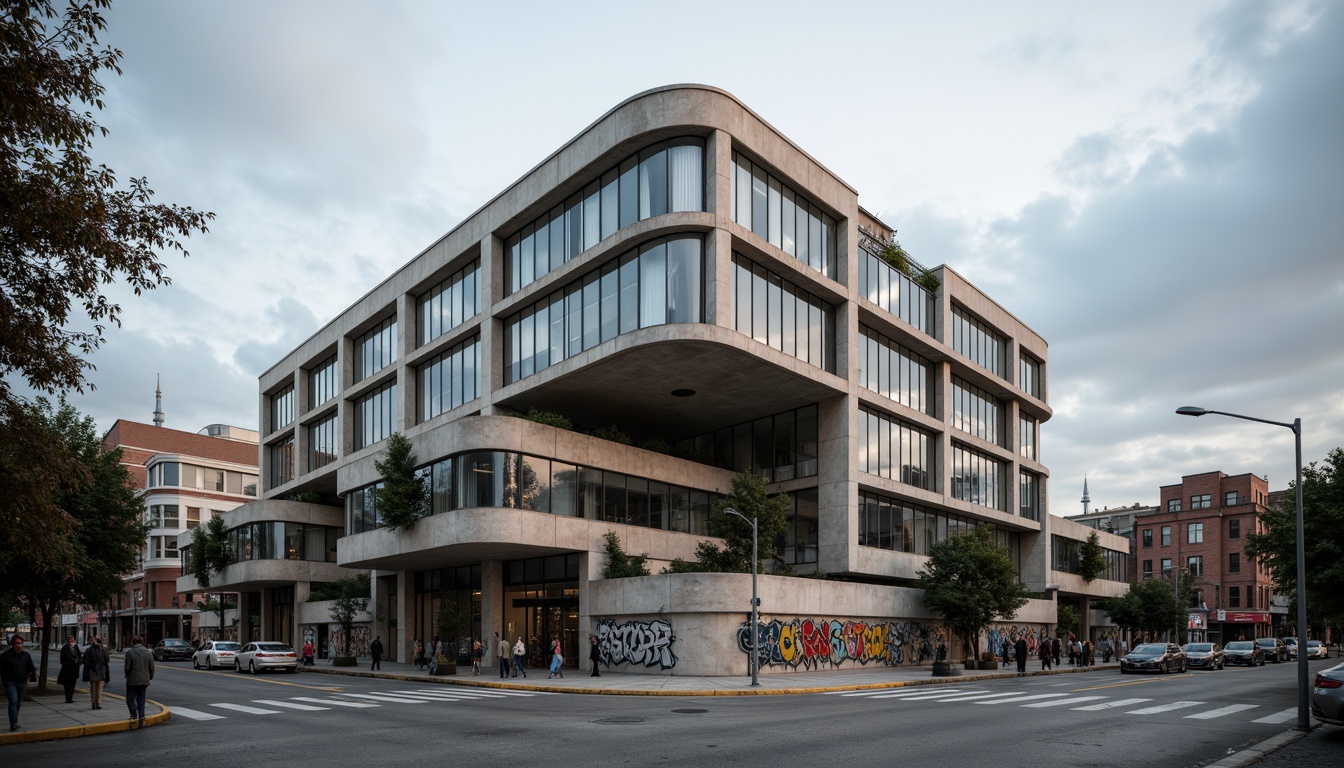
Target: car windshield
1240,645
273,647
1313,643
175,642
226,646
1267,641
1199,647
1151,648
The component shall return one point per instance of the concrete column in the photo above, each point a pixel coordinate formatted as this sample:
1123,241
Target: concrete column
267,604
408,388
492,606
492,342
590,569
402,646
244,616
837,496
379,608
718,246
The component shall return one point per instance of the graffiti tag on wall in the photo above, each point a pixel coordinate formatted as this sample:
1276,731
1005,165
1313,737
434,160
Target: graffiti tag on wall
997,634
636,642
812,643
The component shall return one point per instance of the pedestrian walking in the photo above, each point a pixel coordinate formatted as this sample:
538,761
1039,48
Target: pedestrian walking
96,663
376,650
503,651
477,653
1088,658
1073,655
1057,648
308,651
68,677
139,671
519,658
1047,653
1006,648
1020,651
557,660
418,659
594,655
16,672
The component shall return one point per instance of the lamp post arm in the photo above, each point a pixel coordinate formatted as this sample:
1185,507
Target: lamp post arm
1295,425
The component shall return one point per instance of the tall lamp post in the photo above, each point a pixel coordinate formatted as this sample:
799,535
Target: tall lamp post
755,601
1303,710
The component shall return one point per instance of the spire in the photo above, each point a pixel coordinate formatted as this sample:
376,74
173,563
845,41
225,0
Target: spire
1086,499
158,402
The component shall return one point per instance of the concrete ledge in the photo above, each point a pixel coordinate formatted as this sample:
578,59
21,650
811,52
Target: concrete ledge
1259,750
89,729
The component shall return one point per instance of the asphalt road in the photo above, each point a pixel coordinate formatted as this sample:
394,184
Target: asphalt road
1101,719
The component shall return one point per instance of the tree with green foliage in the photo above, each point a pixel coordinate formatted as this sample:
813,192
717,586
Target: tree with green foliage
107,533
211,554
749,498
68,229
1151,605
1323,531
970,581
621,564
352,595
403,497
452,622
1091,558
1067,619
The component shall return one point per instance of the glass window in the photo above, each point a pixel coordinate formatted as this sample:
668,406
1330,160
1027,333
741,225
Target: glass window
1174,505
1194,533
975,340
454,300
895,449
1029,496
1166,535
322,442
976,477
323,382
374,415
376,349
610,203
281,455
1029,375
652,183
1234,528
449,379
1202,501
1230,499
975,411
813,335
1234,562
908,301
282,408
686,174
1148,537
775,212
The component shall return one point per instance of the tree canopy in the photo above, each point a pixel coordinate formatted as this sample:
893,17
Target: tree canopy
1150,605
749,498
351,597
403,497
621,564
970,581
1091,558
1323,529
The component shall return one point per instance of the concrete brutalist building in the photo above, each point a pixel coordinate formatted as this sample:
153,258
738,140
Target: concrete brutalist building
700,297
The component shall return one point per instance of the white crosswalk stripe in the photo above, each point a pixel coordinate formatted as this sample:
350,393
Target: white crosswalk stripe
926,695
193,714
1064,702
1112,705
887,693
379,697
1160,708
290,705
1278,717
1222,711
977,696
336,703
1025,698
246,709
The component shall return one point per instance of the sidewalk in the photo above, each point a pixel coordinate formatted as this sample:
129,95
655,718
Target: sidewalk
626,684
48,717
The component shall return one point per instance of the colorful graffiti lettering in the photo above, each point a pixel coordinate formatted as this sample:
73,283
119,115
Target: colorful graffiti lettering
812,643
997,634
636,642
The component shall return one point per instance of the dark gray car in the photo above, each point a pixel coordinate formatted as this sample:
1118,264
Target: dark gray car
1274,649
1204,655
1327,696
1244,652
1154,657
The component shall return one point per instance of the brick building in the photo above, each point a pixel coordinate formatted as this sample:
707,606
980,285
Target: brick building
1200,527
184,478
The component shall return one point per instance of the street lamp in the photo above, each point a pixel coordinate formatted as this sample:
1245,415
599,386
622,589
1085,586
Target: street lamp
1303,710
755,601
135,614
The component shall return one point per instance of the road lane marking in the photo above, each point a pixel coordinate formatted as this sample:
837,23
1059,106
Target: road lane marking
1274,719
924,695
193,714
887,692
1062,702
246,709
1024,698
393,699
1228,710
290,705
1111,705
1159,709
258,678
335,703
982,696
1164,679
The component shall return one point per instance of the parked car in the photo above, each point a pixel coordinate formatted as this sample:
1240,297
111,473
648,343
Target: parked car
265,655
1274,649
1154,657
1204,655
1317,650
215,653
171,648
1291,644
1244,652
1327,696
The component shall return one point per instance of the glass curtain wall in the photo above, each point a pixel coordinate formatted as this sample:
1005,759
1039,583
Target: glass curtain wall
976,412
892,370
894,449
458,586
1029,375
975,340
281,461
894,291
374,415
782,446
450,379
1029,495
902,526
775,312
323,382
976,477
541,603
323,448
282,408
774,211
449,304
376,349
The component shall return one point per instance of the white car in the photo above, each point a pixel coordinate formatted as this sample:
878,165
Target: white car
264,655
215,653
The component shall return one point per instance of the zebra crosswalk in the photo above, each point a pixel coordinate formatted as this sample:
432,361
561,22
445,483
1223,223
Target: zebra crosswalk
224,709
1089,703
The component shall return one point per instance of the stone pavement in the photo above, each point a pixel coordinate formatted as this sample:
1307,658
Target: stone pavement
48,717
1323,747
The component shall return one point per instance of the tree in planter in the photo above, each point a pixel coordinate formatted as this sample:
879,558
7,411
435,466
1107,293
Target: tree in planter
1067,619
211,554
403,497
351,599
452,622
1091,558
620,563
970,581
748,497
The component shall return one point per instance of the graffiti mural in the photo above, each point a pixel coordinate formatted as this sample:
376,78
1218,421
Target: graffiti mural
1034,634
814,643
648,643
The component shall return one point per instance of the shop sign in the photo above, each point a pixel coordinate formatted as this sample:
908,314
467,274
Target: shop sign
1239,617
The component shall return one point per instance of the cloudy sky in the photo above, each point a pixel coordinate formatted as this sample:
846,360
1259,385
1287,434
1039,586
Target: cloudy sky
1156,188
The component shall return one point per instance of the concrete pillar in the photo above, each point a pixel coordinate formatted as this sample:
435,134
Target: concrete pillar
244,616
718,247
590,570
492,608
837,496
267,604
402,646
492,342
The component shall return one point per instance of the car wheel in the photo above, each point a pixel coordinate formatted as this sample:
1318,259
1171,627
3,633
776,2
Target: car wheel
252,667
1184,667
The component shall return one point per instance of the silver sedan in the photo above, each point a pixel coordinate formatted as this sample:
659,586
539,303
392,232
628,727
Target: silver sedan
215,653
1327,696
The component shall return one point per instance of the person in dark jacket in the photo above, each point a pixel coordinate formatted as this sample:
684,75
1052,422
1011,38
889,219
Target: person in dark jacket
1047,653
594,655
68,677
16,672
376,650
1020,653
96,664
1058,649
139,669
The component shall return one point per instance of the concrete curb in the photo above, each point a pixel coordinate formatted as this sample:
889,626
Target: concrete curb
93,729
446,680
1260,749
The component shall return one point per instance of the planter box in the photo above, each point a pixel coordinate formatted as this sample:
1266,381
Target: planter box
445,666
947,669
